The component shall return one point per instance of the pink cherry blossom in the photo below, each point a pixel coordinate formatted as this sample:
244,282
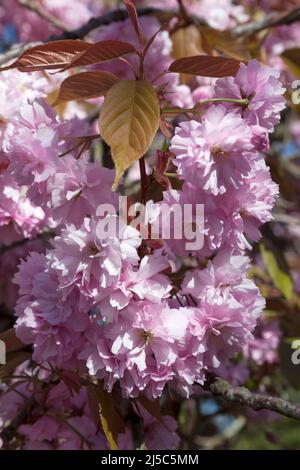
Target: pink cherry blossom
19,218
55,327
214,160
252,204
145,283
92,260
215,227
105,301
10,260
145,349
34,143
77,189
263,348
260,85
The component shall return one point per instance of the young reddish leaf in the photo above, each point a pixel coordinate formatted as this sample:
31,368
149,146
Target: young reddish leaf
85,85
134,18
129,120
52,55
11,341
101,52
111,420
206,66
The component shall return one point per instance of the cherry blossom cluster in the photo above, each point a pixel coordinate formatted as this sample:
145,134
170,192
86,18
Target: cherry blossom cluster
144,316
109,303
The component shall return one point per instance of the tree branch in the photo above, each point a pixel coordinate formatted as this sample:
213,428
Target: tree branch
80,33
256,401
269,21
104,20
41,236
120,15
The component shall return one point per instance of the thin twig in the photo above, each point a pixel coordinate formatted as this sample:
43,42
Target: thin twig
269,21
32,5
65,421
256,401
41,236
104,20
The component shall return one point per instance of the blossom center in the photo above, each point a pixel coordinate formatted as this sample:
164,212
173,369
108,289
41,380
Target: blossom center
147,335
93,249
218,151
243,213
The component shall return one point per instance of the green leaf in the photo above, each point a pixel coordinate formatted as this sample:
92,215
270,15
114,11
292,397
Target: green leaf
279,274
129,120
111,420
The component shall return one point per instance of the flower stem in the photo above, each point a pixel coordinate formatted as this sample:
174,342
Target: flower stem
169,112
144,180
241,102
